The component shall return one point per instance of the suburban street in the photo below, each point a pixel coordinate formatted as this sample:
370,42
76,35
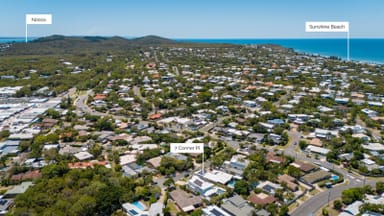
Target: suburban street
310,206
315,203
174,68
81,105
137,93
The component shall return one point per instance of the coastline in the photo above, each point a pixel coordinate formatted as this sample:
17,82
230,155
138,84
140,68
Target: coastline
362,50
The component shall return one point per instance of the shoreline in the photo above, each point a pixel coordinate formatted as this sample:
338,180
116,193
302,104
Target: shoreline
299,45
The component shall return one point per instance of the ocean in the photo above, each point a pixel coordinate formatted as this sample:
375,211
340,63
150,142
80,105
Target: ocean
365,50
12,39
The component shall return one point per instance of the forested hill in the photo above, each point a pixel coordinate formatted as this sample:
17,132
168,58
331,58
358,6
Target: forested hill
58,44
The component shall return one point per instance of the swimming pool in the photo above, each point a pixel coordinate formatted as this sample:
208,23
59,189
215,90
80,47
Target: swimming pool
232,183
139,205
335,177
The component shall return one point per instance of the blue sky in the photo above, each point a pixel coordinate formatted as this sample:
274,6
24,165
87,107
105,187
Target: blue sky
193,18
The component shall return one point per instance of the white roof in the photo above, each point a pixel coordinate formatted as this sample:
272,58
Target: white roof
166,120
182,120
266,125
373,199
212,211
128,158
218,176
354,208
264,183
51,146
141,147
237,158
374,146
129,207
203,185
21,136
368,161
318,149
344,214
84,155
156,209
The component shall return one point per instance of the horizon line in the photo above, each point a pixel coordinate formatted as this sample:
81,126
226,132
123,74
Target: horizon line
199,38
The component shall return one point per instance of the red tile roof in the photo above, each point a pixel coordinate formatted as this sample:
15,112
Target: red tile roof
155,116
316,142
27,175
261,198
99,97
271,157
84,165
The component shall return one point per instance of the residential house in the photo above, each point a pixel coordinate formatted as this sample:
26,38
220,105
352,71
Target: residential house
236,205
256,137
263,212
289,181
269,187
354,208
84,165
84,155
373,146
250,104
217,176
199,185
369,213
374,199
267,126
369,112
322,133
16,190
316,142
317,176
271,157
239,162
236,165
304,167
48,123
363,137
99,97
29,175
134,210
370,164
5,204
127,159
341,100
129,172
261,198
156,209
317,150
185,201
154,162
276,121
214,210
155,116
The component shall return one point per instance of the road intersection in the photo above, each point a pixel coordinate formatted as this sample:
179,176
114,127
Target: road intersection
310,206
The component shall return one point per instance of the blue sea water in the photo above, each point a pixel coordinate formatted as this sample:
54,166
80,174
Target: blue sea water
11,39
366,50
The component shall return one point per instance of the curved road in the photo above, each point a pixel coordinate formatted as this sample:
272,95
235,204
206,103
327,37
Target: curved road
310,206
81,104
136,92
315,203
